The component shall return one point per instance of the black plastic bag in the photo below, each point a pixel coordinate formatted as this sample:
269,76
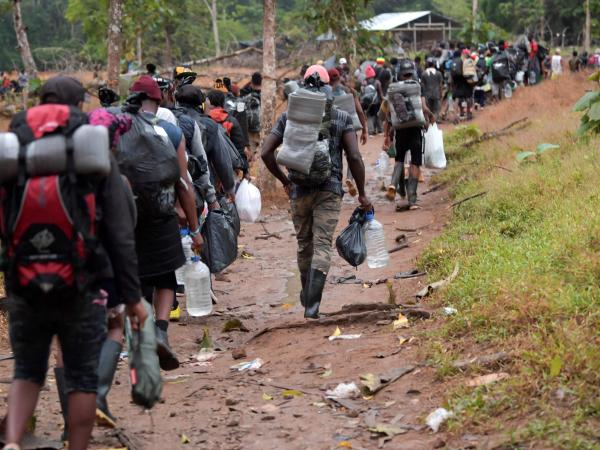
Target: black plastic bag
232,214
146,382
220,241
351,244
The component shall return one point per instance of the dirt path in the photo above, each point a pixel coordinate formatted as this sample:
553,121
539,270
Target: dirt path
217,408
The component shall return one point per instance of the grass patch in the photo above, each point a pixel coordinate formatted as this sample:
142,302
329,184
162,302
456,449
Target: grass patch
529,283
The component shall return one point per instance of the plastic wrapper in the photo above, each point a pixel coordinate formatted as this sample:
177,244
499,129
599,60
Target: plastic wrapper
232,214
351,244
434,156
220,241
248,201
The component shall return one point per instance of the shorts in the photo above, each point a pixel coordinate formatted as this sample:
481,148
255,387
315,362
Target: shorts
79,322
163,281
410,140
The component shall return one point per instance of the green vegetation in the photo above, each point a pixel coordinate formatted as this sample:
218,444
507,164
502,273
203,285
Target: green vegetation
589,104
529,284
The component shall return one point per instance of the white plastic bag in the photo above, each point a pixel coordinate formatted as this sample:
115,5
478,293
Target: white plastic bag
435,158
248,202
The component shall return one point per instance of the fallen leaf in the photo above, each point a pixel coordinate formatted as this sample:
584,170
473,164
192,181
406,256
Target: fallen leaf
234,324
185,439
319,404
401,322
388,430
489,378
247,255
266,397
402,340
287,305
337,332
326,374
291,393
371,382
206,341
345,444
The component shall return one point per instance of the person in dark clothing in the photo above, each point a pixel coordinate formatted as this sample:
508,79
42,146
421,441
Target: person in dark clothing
215,107
151,69
190,98
158,241
254,86
432,83
463,90
78,316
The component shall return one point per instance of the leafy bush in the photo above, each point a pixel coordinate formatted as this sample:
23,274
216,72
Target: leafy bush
589,104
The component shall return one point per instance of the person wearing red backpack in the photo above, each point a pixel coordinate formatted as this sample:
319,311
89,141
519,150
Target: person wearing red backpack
64,233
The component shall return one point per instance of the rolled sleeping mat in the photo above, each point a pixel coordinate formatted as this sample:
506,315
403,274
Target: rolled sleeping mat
306,106
48,155
346,103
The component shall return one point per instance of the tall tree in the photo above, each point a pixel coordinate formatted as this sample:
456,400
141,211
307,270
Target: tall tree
268,92
115,25
588,27
22,41
214,17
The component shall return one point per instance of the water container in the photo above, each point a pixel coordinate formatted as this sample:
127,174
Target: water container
377,254
186,244
381,165
197,288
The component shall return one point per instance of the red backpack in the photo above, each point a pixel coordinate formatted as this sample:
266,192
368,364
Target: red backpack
48,223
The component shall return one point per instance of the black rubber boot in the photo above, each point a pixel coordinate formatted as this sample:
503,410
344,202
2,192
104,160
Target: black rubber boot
314,293
402,182
412,191
166,357
303,279
109,357
63,397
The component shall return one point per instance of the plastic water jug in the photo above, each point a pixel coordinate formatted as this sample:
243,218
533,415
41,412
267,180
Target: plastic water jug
377,254
186,244
197,288
381,165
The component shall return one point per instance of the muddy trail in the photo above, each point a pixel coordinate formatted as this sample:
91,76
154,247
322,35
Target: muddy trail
208,405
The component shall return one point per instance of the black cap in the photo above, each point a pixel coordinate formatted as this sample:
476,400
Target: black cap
190,95
63,90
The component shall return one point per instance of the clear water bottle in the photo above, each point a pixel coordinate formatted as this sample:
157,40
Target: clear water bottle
197,292
186,244
377,254
381,165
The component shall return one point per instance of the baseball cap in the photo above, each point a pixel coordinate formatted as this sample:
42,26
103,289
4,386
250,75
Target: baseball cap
148,86
190,95
63,90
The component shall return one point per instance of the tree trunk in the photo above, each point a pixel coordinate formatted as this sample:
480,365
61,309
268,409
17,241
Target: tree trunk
138,47
214,17
475,9
587,43
474,12
168,53
22,41
115,20
268,92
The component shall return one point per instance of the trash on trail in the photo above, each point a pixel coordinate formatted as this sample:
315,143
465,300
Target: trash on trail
401,322
291,393
374,383
437,418
427,290
343,390
345,444
449,310
266,397
337,334
327,373
206,355
233,325
247,255
248,365
185,439
489,378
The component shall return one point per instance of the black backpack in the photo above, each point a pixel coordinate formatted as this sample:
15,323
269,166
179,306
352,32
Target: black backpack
500,68
148,159
49,223
456,68
253,112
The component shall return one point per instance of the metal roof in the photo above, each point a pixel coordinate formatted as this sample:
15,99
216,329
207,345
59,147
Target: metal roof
390,21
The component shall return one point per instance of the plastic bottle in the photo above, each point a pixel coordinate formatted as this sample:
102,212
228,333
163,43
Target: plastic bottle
186,243
377,254
381,165
197,281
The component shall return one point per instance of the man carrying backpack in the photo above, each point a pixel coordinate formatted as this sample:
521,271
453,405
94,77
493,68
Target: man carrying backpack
64,233
316,208
432,83
158,241
215,107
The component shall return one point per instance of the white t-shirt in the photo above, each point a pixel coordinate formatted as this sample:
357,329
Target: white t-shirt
166,114
557,64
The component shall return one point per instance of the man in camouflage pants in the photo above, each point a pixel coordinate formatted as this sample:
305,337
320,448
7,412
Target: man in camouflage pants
316,209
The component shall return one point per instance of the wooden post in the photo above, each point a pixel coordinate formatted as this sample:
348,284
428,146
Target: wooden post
115,20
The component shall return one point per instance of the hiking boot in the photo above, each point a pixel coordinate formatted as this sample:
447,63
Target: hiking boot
303,278
63,398
175,313
166,357
109,357
351,188
314,293
391,193
412,192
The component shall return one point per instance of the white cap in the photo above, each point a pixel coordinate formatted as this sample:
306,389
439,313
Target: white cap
343,61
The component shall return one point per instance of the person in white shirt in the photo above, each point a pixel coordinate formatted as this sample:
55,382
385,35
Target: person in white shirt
557,64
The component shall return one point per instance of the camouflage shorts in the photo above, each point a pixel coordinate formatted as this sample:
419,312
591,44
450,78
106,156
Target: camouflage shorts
315,216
